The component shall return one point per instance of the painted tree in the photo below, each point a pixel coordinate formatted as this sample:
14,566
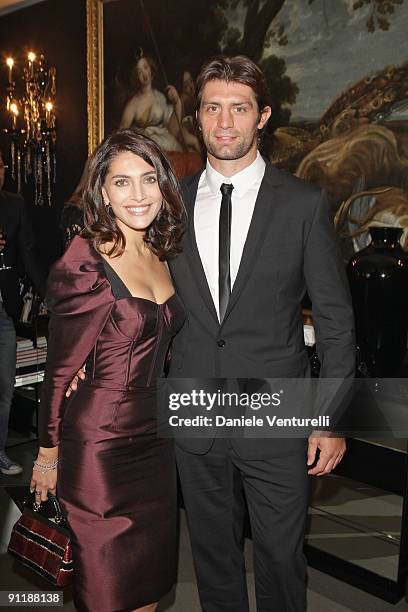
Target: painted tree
258,19
261,27
186,36
260,15
255,36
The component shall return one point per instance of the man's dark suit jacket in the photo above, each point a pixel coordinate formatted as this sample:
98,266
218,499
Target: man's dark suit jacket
20,248
291,246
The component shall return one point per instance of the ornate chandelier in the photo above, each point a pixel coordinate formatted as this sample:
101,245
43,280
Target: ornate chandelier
32,126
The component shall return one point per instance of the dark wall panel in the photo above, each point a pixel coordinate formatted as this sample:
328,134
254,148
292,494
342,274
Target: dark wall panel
56,28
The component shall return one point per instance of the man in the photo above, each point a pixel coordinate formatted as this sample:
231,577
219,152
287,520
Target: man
16,241
242,280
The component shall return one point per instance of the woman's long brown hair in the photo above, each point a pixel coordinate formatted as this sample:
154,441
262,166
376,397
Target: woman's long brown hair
163,236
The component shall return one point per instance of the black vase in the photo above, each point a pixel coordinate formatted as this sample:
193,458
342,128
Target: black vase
378,277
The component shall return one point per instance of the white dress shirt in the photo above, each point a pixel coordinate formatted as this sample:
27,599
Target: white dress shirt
207,214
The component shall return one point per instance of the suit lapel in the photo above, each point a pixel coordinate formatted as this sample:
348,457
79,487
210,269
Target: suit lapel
256,233
191,250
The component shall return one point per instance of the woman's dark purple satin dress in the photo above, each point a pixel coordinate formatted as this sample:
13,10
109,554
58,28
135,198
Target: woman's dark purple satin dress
116,478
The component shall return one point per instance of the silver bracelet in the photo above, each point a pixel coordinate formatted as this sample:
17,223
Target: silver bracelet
44,468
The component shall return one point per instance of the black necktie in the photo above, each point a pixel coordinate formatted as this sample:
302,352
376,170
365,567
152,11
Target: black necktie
224,277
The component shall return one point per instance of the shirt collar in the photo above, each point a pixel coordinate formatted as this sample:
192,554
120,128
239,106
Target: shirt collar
245,180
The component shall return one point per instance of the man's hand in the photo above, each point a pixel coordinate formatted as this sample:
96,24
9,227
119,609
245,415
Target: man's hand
332,451
73,385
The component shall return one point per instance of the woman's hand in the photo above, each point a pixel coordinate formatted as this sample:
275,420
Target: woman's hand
172,94
44,476
73,385
175,100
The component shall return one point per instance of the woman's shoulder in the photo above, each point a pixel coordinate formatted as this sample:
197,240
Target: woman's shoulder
79,257
78,273
158,96
133,101
80,249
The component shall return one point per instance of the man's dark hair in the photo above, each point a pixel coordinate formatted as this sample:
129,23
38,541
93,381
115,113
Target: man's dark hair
238,69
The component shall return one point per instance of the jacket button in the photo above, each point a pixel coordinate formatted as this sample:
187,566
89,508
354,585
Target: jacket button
221,343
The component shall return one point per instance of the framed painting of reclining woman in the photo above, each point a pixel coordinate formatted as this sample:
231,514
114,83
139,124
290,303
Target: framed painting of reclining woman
134,81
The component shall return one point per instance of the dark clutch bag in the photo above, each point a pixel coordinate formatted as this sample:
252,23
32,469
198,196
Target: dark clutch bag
40,540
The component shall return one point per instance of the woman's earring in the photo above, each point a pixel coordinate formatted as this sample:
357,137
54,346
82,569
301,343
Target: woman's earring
108,207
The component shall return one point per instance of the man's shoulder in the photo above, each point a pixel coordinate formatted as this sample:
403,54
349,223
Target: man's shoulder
294,194
189,185
188,181
291,182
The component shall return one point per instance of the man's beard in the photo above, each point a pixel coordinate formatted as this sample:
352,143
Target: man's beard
236,150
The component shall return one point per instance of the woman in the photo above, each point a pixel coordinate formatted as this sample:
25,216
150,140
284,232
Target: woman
114,307
149,110
72,215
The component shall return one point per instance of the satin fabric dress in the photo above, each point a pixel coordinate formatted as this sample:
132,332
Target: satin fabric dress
116,477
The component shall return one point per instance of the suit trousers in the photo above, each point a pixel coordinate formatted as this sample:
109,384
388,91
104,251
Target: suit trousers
7,371
215,486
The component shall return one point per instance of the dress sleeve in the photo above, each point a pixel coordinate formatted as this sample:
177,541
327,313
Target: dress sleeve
80,300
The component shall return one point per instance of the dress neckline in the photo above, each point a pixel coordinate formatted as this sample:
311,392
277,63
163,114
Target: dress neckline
130,296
